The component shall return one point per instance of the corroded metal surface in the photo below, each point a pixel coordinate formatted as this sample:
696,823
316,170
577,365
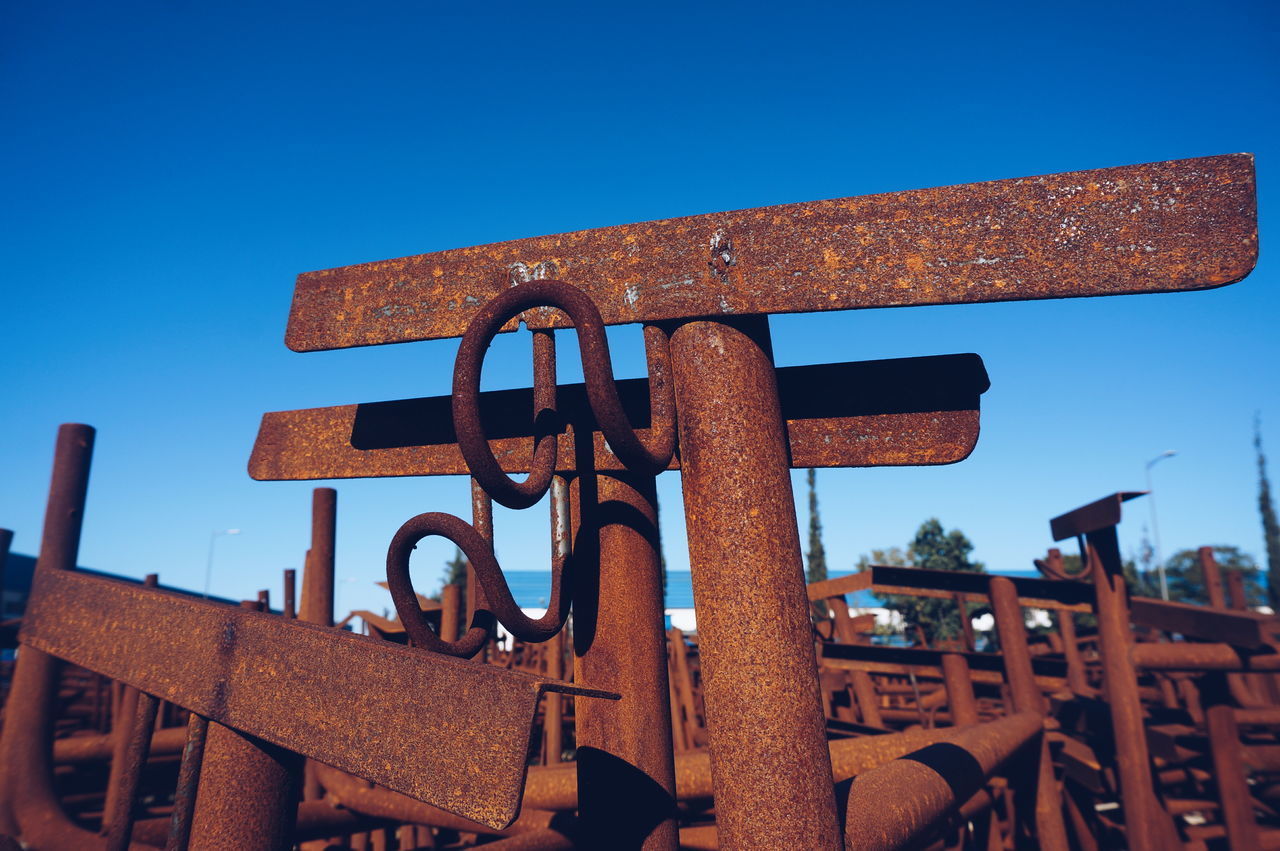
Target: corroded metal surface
760,678
298,686
1159,227
905,411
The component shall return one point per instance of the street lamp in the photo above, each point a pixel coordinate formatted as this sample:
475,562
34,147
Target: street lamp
1155,529
213,538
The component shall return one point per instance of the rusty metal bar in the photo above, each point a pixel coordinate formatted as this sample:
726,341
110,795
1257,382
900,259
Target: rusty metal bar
1159,227
940,777
29,806
1212,577
1240,628
293,684
626,776
892,412
1187,656
760,679
119,820
318,577
184,795
1235,798
290,586
1051,831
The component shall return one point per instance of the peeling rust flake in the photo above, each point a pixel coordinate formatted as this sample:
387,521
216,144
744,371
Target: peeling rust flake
1160,227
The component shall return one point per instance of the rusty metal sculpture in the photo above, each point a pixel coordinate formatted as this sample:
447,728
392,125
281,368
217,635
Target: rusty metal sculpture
757,715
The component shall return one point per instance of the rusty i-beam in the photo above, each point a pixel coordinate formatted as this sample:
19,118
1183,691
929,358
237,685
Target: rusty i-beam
712,280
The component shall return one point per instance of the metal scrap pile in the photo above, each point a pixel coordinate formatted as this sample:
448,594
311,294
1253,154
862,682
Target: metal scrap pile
143,717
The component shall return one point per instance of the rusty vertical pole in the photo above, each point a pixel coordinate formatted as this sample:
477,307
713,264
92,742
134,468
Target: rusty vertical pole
248,793
769,759
184,795
1051,830
959,685
626,770
1145,820
1212,577
28,803
1234,795
482,520
684,685
317,579
290,589
1235,584
450,612
1076,679
6,540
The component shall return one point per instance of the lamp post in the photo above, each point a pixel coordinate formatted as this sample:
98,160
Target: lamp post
213,539
1155,528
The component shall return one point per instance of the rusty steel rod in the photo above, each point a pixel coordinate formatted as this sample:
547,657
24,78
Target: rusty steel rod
1234,795
941,777
120,823
626,776
184,795
760,675
289,608
1146,825
29,805
318,578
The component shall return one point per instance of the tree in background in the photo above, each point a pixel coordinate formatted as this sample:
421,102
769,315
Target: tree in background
933,548
1186,579
817,556
1270,528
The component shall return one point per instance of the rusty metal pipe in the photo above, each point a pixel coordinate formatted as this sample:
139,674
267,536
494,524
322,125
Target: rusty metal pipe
184,795
120,821
1234,795
960,697
760,675
626,777
318,577
29,806
940,777
1051,830
1146,825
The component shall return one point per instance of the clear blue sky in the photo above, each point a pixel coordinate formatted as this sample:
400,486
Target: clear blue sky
170,167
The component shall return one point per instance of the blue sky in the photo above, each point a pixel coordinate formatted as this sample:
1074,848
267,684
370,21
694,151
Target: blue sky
170,167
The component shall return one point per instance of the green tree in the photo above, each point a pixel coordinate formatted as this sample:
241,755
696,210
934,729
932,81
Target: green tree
1270,527
817,555
933,548
1186,579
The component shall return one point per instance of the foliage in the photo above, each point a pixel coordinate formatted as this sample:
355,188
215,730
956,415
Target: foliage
933,548
1186,579
1270,527
817,555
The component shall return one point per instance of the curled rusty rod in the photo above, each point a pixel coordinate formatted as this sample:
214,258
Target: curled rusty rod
498,602
602,393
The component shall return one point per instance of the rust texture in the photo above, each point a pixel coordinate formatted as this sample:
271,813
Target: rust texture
626,773
760,674
905,411
1160,227
139,717
291,684
940,777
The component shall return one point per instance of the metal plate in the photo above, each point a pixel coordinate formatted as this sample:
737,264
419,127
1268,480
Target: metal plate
1180,225
452,733
905,411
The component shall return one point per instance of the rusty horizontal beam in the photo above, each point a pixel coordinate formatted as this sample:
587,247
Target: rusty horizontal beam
1099,514
1159,227
1032,593
1239,628
903,411
944,584
451,733
1212,656
983,667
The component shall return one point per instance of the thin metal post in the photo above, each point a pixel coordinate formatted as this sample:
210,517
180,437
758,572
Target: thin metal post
317,578
769,757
